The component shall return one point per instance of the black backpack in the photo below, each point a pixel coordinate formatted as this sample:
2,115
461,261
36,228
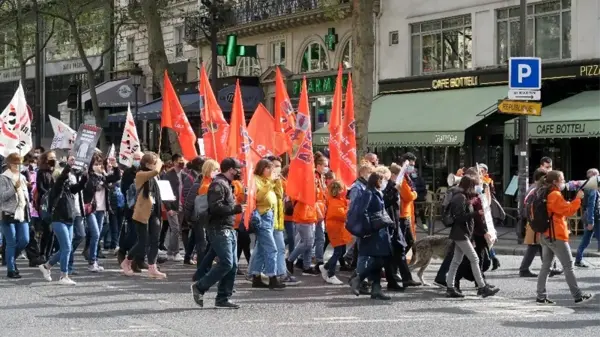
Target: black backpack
447,216
537,210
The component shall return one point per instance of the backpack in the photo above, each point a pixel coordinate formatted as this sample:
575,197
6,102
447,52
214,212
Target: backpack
117,198
200,207
447,216
356,220
537,210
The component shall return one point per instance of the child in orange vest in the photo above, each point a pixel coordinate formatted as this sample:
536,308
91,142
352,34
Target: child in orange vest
335,220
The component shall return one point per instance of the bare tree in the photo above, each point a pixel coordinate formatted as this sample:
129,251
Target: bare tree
363,45
20,39
81,18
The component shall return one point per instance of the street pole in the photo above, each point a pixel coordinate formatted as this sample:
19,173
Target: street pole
39,59
523,147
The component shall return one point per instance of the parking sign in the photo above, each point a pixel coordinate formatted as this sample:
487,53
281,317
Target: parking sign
525,73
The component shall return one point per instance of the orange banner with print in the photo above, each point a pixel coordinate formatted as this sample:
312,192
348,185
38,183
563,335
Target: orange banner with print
215,129
284,115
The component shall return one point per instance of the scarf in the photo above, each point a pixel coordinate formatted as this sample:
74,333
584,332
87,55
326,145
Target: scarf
21,194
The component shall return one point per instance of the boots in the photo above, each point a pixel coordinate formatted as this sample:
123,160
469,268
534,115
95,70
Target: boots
258,283
275,283
377,293
154,273
126,267
487,291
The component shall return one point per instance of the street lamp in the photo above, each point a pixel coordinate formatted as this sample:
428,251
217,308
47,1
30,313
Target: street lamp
136,74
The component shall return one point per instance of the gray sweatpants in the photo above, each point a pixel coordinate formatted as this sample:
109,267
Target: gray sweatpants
562,251
461,249
175,221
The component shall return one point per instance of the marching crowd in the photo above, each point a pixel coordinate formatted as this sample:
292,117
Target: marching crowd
49,208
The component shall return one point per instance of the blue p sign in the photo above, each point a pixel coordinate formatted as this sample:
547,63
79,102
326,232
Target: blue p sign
525,73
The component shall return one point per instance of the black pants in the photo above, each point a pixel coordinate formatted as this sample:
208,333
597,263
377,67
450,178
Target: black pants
408,237
33,250
243,244
163,234
128,236
201,242
146,234
46,241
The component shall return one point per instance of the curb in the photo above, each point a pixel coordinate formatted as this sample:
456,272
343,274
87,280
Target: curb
520,251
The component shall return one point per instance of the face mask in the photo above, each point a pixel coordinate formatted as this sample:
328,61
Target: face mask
181,165
136,163
97,168
479,189
237,175
562,186
414,174
51,162
214,174
325,170
384,184
410,169
276,172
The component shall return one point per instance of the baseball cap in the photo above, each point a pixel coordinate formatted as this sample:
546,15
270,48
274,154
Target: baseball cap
230,163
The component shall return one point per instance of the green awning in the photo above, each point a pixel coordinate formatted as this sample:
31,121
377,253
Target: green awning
576,116
433,118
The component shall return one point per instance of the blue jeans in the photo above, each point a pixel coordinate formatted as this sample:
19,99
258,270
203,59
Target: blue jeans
290,235
64,235
370,267
264,256
95,221
281,269
78,237
16,238
587,239
338,252
112,231
319,241
206,263
304,248
223,243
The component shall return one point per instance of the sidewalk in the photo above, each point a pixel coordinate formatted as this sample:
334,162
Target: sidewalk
507,241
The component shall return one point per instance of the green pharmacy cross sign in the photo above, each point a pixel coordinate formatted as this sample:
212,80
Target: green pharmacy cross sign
231,50
331,39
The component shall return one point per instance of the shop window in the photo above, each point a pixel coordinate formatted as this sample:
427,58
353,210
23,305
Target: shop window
278,53
441,45
548,31
394,38
248,66
347,55
314,59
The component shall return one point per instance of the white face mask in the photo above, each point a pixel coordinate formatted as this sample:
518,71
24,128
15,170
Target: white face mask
562,186
384,184
276,172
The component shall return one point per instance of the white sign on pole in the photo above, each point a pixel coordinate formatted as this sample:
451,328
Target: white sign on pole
524,95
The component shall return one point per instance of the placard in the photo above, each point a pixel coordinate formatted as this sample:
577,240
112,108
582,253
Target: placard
85,145
166,192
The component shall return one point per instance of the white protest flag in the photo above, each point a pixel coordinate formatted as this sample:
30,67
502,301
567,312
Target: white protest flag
15,135
130,143
111,152
64,136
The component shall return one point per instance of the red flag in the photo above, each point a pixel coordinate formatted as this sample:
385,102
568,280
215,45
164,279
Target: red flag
174,118
263,142
348,143
284,115
215,129
240,148
335,129
301,178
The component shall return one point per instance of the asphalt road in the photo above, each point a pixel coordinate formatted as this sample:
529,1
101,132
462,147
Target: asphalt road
109,304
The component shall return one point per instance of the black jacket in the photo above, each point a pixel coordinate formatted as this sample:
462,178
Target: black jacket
464,214
221,204
391,197
43,183
128,178
62,197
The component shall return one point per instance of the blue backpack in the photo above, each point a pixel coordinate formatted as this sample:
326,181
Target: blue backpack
117,197
357,222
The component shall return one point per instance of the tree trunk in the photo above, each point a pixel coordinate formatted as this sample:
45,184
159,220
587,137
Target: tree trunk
363,45
157,57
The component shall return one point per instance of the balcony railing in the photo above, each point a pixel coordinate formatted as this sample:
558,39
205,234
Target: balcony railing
263,14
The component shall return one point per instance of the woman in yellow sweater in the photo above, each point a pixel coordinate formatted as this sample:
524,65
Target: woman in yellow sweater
264,257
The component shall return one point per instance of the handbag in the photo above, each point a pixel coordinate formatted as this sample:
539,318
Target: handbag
89,208
380,219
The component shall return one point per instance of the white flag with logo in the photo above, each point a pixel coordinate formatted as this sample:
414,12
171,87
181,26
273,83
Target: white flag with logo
15,135
111,152
64,136
130,143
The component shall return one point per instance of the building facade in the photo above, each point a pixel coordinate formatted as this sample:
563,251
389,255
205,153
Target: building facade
443,70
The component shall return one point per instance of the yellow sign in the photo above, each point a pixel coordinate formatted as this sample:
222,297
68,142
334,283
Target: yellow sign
456,82
520,108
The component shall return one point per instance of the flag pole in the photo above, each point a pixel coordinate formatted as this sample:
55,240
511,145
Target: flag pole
160,140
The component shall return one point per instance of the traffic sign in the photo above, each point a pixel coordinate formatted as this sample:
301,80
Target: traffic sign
520,108
524,95
525,73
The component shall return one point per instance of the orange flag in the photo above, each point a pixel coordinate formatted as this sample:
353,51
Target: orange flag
263,142
335,130
284,115
301,178
174,118
215,129
348,143
240,148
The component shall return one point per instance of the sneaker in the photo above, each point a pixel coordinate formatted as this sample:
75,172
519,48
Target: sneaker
324,272
197,295
581,264
66,281
227,304
334,280
584,298
545,301
162,253
95,268
22,257
441,284
13,275
555,272
310,272
45,272
177,257
290,280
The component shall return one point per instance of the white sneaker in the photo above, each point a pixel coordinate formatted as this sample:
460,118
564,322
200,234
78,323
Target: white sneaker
323,272
65,281
334,280
116,251
177,257
22,257
95,268
162,252
45,272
